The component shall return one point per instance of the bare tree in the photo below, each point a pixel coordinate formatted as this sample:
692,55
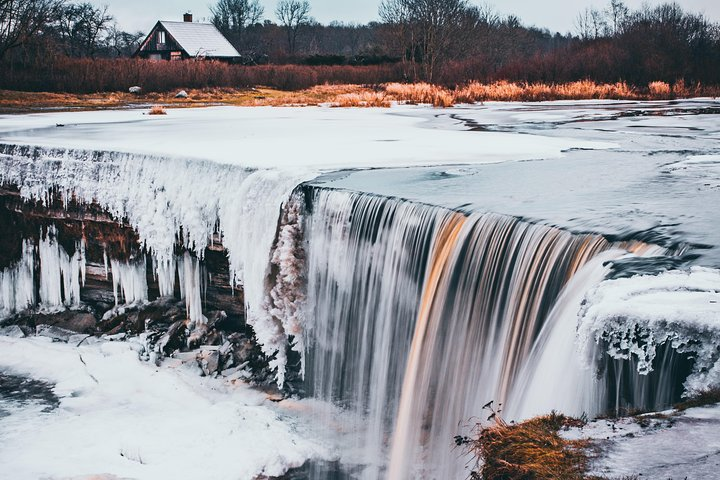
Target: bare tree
20,20
82,26
617,14
293,15
232,17
119,43
591,23
429,28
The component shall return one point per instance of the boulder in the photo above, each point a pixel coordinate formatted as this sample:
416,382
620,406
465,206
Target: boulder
56,333
181,94
173,338
136,90
78,322
209,361
12,331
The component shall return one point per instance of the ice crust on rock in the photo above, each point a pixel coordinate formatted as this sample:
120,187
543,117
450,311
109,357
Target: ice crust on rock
633,316
161,197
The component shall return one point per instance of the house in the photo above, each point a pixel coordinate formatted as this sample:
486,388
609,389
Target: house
186,39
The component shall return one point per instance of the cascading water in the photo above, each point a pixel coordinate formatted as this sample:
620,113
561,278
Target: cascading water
417,316
366,264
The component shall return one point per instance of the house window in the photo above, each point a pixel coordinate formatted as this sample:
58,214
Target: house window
161,38
175,55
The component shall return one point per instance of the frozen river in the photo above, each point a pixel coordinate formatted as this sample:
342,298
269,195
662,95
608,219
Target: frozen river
423,262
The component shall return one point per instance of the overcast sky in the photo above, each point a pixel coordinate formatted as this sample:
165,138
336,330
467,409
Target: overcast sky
557,15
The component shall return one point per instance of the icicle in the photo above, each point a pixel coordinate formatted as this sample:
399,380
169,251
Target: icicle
165,275
190,266
129,281
60,275
17,291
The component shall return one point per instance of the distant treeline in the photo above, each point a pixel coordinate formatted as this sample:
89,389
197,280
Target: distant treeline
66,46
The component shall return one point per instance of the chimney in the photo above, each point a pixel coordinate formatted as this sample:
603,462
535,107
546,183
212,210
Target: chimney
187,17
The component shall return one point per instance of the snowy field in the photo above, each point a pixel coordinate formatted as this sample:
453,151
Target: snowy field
585,166
120,416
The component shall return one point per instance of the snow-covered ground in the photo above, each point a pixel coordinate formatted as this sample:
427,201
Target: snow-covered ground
665,445
317,138
120,416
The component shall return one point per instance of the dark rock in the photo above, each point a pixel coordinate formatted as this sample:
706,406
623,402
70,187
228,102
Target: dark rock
72,320
197,336
242,348
216,318
113,325
173,339
209,361
56,333
79,322
12,331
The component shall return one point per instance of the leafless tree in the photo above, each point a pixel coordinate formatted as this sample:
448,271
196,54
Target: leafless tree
232,17
20,20
293,16
82,26
428,28
617,15
591,23
119,43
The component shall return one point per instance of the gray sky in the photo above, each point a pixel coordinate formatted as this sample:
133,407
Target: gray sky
557,15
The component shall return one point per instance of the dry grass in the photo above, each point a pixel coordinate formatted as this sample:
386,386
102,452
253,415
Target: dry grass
22,102
364,99
529,450
351,95
157,110
659,89
708,397
507,92
420,93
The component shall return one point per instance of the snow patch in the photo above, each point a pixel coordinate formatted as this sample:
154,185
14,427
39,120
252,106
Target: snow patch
119,416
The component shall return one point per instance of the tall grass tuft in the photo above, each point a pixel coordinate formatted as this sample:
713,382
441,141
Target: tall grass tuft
529,450
659,90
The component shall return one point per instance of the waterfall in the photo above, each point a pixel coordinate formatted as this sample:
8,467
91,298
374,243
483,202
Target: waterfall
367,257
497,278
417,316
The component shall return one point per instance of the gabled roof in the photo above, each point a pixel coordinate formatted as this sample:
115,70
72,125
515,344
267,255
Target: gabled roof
200,39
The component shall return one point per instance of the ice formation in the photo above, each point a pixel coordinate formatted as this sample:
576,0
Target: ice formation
191,286
17,287
129,281
60,274
634,316
165,275
285,301
169,200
